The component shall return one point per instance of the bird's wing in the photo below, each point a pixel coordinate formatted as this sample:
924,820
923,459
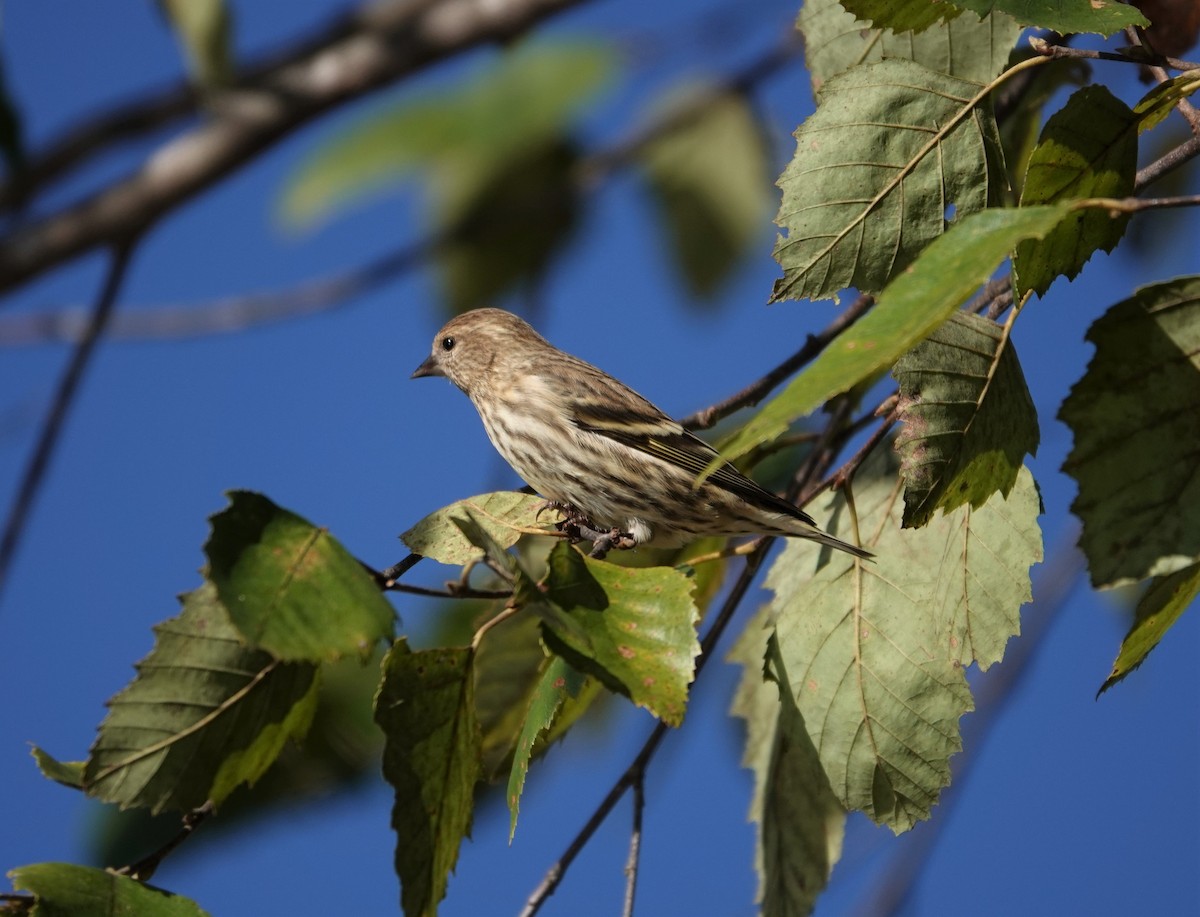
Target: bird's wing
647,429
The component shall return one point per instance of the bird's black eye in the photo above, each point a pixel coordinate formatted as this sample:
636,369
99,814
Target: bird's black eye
447,343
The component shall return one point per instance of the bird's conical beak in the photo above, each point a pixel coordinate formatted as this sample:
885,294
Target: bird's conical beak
429,368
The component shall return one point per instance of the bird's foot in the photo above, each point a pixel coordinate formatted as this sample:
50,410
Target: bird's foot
576,527
603,542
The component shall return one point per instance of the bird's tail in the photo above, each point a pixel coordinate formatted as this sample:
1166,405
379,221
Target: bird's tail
825,538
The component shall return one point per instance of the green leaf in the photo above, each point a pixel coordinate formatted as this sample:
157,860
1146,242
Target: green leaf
800,822
68,773
967,47
1133,415
204,28
340,753
505,515
1020,107
633,629
708,177
1087,149
890,150
467,135
875,652
68,890
508,229
908,311
902,15
1098,17
968,420
426,709
290,588
558,683
204,714
1102,17
1160,607
1162,99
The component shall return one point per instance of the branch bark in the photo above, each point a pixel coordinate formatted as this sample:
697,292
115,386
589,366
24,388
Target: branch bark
387,42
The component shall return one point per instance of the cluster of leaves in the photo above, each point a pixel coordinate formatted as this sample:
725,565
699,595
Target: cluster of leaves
905,187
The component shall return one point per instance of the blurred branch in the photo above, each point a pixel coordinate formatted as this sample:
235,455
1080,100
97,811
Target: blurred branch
143,870
64,397
891,893
635,845
236,313
387,42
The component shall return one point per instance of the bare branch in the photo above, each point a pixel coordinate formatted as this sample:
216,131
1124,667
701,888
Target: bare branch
143,870
635,845
395,40
64,397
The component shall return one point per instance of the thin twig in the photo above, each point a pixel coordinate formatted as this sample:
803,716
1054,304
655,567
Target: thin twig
635,844
456,593
844,475
64,397
145,868
1049,49
757,390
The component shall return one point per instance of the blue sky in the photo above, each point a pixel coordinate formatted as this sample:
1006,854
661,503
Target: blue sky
1073,805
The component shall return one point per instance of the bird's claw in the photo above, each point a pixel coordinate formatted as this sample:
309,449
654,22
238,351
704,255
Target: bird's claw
607,541
577,527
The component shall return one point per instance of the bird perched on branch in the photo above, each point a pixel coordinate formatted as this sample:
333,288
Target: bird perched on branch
621,472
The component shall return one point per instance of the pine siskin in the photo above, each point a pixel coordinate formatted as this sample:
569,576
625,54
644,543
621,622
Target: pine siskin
621,471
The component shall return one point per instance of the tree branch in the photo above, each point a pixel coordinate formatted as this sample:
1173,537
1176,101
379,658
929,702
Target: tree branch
64,397
392,41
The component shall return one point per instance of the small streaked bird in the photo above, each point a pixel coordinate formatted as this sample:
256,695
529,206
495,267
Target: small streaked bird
621,471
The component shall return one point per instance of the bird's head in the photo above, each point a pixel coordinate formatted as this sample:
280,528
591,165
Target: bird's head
475,347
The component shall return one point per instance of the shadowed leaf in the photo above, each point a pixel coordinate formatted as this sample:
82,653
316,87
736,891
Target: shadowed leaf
426,709
204,714
968,420
710,183
1134,417
1162,99
1066,16
800,821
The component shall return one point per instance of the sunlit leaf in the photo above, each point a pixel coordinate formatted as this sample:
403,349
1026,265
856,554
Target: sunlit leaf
892,149
68,890
505,515
1087,149
1134,417
204,714
875,652
709,177
912,306
633,629
559,682
968,419
68,773
426,709
966,47
289,587
800,821
1162,99
1164,602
